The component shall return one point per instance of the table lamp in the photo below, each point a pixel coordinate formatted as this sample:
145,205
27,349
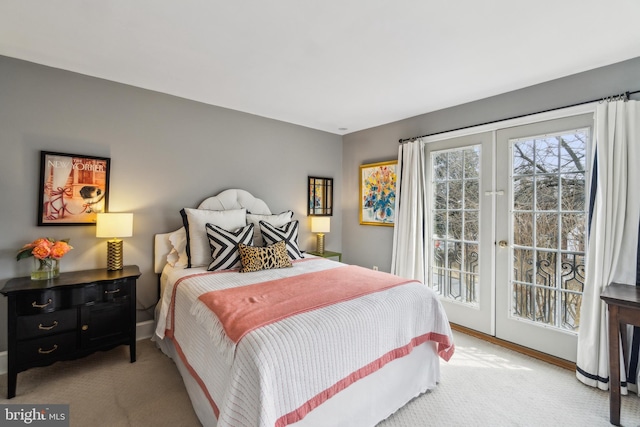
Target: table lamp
113,226
320,225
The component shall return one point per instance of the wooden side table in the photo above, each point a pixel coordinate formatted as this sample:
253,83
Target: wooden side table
624,309
327,254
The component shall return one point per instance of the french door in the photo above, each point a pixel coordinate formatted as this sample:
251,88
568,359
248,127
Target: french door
462,229
508,231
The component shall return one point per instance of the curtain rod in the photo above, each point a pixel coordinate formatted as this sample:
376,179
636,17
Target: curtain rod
624,96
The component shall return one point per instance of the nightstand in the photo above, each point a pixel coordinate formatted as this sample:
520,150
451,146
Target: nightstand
69,317
327,254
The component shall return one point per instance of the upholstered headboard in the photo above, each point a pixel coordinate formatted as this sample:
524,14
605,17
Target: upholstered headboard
226,200
235,199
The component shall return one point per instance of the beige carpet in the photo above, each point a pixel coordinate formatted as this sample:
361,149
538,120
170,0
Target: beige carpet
104,389
483,385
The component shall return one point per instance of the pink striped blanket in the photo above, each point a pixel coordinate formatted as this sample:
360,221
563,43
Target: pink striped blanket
271,377
243,309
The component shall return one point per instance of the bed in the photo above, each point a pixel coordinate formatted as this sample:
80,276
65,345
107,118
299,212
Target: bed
363,346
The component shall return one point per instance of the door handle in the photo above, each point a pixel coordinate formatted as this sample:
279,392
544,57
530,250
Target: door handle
503,244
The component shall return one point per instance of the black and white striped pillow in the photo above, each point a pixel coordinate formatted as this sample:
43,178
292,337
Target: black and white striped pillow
288,233
224,245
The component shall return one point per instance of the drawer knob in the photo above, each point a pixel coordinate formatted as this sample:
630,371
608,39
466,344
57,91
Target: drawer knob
85,327
54,348
48,328
35,305
112,292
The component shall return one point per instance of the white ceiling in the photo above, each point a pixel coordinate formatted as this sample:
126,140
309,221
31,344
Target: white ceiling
324,64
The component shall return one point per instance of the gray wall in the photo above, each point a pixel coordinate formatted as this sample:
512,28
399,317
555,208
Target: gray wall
166,153
372,245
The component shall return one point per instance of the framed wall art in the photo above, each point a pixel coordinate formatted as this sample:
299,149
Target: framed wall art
320,196
73,188
378,193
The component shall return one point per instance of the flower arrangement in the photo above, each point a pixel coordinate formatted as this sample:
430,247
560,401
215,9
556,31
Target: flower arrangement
46,253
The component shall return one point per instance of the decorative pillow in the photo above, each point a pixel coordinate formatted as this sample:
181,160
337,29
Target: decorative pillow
255,258
277,220
178,256
224,245
288,233
195,220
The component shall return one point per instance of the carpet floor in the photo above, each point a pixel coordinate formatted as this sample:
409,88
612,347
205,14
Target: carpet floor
482,385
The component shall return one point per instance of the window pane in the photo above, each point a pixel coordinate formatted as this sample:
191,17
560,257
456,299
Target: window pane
523,160
439,164
573,152
471,226
455,225
572,192
546,155
440,195
573,271
547,187
471,194
523,265
573,232
440,224
472,163
547,230
523,193
455,195
546,269
523,229
455,164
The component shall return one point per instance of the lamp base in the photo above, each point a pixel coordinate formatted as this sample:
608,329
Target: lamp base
114,254
320,243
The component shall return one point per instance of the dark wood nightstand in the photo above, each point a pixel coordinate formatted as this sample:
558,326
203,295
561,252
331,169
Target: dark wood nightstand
69,317
327,254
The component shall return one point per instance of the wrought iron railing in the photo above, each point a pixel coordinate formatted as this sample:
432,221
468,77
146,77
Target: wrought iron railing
555,296
456,272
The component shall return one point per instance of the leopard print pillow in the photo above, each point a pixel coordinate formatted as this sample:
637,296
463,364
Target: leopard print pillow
255,258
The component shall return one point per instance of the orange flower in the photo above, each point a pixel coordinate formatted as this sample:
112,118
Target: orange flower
60,248
44,248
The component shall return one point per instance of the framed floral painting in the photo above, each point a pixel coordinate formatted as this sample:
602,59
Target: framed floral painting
378,193
74,188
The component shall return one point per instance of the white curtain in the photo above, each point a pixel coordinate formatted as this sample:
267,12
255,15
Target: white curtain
613,232
409,234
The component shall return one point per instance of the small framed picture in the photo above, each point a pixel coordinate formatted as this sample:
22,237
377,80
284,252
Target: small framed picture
378,193
73,188
320,196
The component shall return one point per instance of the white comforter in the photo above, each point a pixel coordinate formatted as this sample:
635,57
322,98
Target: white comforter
278,373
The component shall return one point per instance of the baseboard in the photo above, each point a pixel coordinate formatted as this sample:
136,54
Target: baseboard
144,330
566,364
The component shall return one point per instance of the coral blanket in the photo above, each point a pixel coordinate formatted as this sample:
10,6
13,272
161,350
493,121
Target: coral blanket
243,309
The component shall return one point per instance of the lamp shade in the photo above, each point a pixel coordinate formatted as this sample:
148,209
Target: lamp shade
320,224
111,225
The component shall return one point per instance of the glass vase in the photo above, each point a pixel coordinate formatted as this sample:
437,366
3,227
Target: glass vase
45,269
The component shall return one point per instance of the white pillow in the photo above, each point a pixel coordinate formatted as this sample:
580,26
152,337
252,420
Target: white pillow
178,256
195,221
277,220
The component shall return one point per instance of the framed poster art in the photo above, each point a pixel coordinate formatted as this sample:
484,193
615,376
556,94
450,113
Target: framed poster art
73,188
378,193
